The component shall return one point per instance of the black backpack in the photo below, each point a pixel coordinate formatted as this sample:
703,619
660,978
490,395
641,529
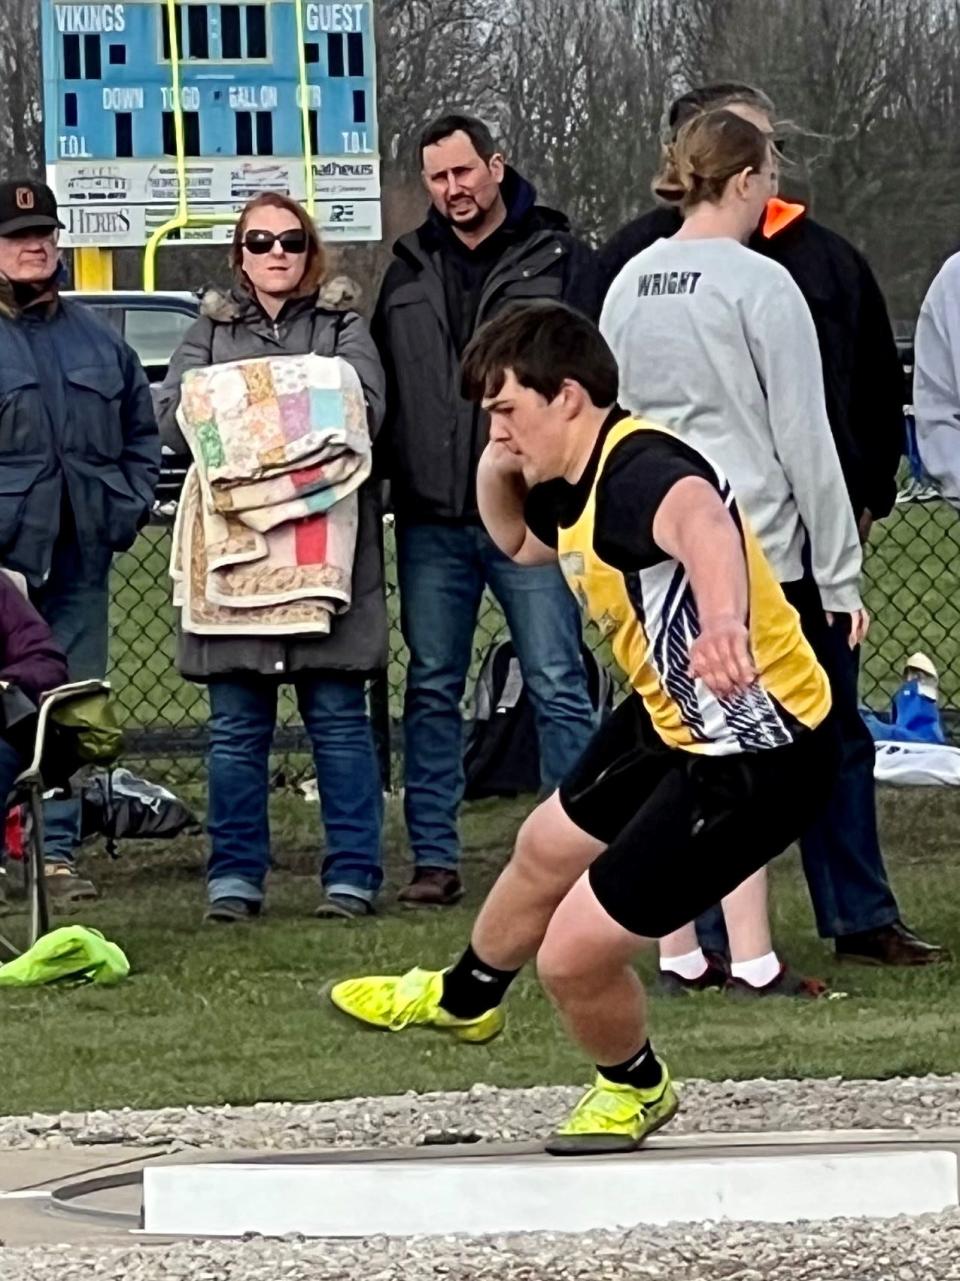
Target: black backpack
502,756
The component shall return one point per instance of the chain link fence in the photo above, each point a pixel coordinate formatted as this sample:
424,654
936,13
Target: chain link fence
911,591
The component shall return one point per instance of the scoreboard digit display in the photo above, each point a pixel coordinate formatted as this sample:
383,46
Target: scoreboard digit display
109,119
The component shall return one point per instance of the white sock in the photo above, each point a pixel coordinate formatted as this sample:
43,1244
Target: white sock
690,966
758,972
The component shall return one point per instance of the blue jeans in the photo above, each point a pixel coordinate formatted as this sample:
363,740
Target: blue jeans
442,571
842,861
243,715
75,602
11,765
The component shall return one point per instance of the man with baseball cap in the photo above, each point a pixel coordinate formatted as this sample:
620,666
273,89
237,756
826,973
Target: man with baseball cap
27,207
79,460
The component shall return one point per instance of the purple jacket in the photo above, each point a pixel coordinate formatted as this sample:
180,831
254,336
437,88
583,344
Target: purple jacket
29,656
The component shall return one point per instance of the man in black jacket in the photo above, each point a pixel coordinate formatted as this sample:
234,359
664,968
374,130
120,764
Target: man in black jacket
79,463
485,243
863,381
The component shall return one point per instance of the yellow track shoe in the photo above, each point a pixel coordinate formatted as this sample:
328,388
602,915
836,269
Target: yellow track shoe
614,1118
397,1001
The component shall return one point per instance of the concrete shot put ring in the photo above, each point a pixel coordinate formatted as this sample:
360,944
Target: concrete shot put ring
485,1188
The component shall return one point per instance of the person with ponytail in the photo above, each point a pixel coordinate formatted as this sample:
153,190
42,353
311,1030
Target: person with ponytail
849,886
717,344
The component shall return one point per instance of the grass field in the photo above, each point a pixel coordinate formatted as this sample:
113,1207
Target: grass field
215,1015
234,1015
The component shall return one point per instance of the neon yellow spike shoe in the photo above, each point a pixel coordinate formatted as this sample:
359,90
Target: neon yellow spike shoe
398,1001
615,1118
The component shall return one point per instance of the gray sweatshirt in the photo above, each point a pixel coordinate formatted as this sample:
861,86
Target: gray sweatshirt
936,380
717,343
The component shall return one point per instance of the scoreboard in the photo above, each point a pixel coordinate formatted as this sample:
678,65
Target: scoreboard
109,115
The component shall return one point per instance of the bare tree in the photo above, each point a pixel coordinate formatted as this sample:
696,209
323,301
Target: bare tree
21,145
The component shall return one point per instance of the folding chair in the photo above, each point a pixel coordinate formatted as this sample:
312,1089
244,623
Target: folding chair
29,790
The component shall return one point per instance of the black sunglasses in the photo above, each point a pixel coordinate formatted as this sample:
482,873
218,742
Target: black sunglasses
261,242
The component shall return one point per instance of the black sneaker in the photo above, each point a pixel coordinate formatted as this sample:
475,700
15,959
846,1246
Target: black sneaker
786,983
713,979
228,911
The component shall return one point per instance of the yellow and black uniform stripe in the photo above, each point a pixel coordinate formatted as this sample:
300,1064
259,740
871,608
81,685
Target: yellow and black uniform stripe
650,617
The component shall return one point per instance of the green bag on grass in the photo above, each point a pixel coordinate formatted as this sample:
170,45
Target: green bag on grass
71,954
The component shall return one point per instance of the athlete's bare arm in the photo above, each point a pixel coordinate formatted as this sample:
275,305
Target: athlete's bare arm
693,526
501,491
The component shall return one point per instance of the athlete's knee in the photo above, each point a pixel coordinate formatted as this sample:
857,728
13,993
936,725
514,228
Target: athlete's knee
535,857
562,966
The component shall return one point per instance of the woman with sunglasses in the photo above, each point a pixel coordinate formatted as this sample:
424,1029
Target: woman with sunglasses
276,306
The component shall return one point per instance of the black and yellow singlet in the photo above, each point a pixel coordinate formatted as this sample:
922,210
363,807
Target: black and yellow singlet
641,599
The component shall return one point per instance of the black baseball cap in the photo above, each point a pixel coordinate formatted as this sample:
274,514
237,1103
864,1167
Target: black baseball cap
25,206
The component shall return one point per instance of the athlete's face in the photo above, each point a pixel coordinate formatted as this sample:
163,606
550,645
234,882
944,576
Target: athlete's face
535,430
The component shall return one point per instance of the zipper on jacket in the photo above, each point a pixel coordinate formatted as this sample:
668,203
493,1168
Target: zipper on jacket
526,273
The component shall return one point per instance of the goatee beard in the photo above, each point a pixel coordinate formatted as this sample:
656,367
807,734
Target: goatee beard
474,223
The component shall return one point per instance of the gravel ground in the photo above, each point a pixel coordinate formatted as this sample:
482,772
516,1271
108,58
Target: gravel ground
495,1115
923,1249
920,1249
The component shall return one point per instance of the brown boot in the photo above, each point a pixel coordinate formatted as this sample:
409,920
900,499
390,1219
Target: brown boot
65,887
893,944
432,887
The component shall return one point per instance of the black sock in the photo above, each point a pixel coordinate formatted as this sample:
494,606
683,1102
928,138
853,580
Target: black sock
472,987
642,1070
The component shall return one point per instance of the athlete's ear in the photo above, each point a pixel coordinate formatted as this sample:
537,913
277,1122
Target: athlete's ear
572,398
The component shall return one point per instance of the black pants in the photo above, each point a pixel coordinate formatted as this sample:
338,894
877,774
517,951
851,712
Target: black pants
683,830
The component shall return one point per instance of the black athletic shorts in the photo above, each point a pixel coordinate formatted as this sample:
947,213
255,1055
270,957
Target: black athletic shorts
682,829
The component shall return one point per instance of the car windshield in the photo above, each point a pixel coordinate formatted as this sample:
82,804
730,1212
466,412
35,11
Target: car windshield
155,334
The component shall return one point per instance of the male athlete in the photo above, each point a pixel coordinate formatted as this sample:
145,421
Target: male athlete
709,769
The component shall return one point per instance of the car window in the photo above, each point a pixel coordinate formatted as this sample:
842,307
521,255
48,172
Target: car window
155,334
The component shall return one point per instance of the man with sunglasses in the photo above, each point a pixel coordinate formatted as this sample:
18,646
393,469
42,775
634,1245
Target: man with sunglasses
79,461
863,382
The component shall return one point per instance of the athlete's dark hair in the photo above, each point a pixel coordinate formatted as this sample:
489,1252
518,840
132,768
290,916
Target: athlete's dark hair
709,97
483,140
543,344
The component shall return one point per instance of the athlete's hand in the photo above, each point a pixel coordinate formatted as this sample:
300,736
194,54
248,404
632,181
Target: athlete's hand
720,657
499,459
859,626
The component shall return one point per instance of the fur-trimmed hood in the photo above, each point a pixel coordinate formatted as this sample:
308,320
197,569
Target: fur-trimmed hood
226,306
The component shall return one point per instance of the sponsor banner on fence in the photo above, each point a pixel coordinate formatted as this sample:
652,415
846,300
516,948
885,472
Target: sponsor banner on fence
119,203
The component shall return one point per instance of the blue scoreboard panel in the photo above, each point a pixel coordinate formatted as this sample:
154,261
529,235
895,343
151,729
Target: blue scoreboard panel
109,113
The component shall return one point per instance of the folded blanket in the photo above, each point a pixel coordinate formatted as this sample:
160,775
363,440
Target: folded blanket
266,527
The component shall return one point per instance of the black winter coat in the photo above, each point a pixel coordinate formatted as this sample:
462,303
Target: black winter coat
862,375
433,437
76,424
234,327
